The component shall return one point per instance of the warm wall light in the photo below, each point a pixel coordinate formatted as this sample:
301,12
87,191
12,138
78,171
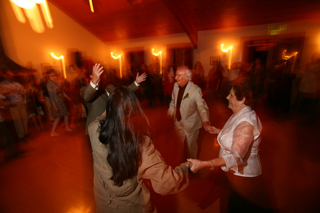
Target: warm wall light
226,50
91,6
32,13
118,57
287,57
63,66
157,54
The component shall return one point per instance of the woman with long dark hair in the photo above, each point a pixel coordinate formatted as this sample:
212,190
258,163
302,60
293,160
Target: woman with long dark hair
124,157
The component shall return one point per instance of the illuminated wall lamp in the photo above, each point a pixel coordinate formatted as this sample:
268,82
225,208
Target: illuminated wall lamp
91,6
32,13
287,57
158,54
118,57
63,65
226,50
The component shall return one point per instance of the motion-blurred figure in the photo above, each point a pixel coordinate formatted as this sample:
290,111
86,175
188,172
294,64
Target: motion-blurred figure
14,92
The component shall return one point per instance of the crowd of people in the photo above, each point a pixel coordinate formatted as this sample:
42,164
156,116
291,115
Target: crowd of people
119,132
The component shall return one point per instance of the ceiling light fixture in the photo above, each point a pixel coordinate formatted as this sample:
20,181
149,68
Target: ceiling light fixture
32,13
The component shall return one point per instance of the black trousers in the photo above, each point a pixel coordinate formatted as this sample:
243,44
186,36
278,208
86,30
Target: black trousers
235,199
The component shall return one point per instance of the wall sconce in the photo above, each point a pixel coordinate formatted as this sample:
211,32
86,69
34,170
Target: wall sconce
226,50
63,65
157,54
118,57
32,13
287,57
91,6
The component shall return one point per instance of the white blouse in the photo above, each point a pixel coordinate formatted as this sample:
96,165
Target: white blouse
239,142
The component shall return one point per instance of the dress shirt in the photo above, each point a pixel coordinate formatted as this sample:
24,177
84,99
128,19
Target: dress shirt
180,94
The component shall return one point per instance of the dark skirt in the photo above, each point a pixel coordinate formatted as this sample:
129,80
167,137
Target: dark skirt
238,194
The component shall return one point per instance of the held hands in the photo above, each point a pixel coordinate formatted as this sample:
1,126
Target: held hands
206,126
97,70
196,165
213,130
141,78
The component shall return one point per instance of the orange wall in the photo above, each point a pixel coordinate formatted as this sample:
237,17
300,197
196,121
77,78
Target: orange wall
23,45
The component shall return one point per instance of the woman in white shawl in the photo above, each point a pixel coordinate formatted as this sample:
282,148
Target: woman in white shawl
238,159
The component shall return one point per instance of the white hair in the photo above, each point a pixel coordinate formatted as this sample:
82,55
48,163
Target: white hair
188,72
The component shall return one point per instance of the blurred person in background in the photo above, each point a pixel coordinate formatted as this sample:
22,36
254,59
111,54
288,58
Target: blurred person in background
258,77
309,87
125,158
8,142
198,74
58,107
215,77
46,100
33,92
168,83
155,78
76,99
14,92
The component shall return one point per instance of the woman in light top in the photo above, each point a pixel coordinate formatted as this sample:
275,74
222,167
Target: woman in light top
238,159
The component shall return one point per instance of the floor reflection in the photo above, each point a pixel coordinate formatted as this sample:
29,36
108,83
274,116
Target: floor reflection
55,174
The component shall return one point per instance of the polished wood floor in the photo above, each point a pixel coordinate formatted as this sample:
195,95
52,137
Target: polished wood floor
55,174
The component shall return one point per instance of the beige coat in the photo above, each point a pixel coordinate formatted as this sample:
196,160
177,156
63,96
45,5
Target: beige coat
96,101
193,109
133,195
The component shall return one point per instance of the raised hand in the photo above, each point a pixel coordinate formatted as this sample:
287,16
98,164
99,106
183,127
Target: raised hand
141,78
97,70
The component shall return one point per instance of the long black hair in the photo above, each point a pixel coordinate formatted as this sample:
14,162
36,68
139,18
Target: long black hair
123,133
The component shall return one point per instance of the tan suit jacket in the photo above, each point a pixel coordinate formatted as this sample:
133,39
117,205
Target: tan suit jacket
96,100
193,109
133,195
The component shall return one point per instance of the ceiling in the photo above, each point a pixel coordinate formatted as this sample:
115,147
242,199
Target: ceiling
116,20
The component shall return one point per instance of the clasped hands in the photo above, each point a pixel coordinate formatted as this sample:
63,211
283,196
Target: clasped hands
194,165
210,129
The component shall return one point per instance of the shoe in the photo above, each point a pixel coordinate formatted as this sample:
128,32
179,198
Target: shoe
53,134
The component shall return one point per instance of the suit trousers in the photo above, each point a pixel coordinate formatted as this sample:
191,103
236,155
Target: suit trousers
190,137
20,119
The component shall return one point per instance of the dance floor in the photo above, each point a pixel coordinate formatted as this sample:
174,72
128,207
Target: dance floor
55,174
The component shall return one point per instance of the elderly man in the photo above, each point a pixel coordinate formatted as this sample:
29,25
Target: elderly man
189,111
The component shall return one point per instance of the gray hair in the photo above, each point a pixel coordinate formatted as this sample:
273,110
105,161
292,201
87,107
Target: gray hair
188,72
